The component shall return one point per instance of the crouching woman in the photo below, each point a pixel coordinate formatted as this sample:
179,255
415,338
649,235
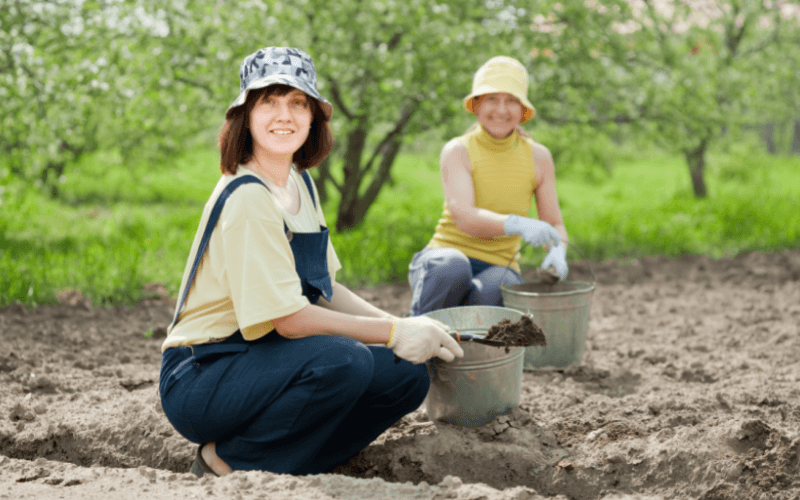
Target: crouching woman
270,364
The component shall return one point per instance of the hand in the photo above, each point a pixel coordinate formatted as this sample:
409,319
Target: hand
557,259
535,232
418,339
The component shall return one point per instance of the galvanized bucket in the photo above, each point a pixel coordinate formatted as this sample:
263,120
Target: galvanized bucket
562,311
486,382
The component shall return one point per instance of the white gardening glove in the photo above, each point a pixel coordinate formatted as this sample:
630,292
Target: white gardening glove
535,232
557,259
418,339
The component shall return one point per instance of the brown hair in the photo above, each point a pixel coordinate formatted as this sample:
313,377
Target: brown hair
236,144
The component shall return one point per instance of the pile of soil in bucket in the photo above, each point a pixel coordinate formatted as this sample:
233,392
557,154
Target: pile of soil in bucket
522,333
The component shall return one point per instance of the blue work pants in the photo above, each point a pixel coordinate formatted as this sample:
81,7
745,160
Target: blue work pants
300,406
445,277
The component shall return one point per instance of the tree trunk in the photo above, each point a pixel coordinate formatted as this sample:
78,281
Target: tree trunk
769,137
353,207
51,177
696,159
796,138
352,214
345,216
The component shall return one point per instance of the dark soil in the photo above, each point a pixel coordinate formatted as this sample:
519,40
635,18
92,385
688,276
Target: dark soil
523,332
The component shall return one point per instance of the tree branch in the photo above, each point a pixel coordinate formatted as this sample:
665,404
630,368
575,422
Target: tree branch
394,41
398,128
773,38
337,98
662,38
192,83
594,122
733,37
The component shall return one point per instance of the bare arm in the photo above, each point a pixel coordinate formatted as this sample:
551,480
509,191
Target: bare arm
546,197
414,339
346,315
317,320
459,193
345,301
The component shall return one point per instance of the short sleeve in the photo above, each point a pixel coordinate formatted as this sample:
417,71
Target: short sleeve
258,265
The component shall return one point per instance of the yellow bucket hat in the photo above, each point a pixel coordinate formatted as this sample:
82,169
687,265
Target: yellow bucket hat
501,74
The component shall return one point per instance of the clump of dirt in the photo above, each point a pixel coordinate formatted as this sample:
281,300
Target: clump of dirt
523,333
545,276
511,450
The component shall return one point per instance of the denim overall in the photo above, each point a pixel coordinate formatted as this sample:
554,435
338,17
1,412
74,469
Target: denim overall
300,406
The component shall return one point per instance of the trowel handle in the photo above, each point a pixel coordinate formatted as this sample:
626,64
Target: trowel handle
463,337
467,337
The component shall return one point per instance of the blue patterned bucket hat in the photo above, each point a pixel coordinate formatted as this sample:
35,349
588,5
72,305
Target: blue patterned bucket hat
279,65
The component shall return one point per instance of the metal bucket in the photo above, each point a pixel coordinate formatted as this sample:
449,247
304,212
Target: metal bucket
486,382
562,311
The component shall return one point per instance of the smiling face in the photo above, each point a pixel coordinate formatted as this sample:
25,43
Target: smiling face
279,124
499,113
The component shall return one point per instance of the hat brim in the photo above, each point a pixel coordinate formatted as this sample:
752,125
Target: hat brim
260,83
529,113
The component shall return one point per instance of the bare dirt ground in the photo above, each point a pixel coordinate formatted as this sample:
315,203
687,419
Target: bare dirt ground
688,390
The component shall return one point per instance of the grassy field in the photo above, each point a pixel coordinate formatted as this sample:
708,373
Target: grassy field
116,228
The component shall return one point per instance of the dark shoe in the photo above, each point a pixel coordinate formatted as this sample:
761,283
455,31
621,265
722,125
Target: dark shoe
199,466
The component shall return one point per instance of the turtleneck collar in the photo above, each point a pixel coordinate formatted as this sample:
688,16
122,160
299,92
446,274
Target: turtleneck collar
488,140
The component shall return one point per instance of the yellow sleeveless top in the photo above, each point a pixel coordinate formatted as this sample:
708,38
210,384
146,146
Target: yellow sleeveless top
504,177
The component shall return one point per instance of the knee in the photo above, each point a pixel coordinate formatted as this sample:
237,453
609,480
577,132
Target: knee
486,286
447,266
451,265
341,361
416,382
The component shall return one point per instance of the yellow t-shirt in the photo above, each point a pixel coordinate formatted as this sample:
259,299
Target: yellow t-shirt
504,178
247,275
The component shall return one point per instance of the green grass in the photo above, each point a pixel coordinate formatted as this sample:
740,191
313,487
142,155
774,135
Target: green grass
111,233
647,208
119,225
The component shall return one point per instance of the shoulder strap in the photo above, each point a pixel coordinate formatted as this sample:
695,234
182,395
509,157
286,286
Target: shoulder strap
307,178
212,222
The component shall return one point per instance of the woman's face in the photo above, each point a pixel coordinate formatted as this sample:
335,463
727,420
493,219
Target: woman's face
499,113
279,124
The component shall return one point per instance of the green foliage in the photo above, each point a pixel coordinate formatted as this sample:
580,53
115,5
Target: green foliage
401,223
80,77
677,72
647,210
101,101
109,241
117,231
145,78
578,150
389,68
148,78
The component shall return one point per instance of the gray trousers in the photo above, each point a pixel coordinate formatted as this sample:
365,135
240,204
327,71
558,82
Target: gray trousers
445,277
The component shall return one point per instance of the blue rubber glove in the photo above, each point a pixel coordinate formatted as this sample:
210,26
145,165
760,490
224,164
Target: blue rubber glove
535,232
556,258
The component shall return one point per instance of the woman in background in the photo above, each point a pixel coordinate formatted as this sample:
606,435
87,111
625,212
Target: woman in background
489,175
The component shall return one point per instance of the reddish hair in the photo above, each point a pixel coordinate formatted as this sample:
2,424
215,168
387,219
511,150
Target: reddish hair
236,144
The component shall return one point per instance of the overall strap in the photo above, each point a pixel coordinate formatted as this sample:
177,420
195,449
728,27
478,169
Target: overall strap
212,221
307,178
